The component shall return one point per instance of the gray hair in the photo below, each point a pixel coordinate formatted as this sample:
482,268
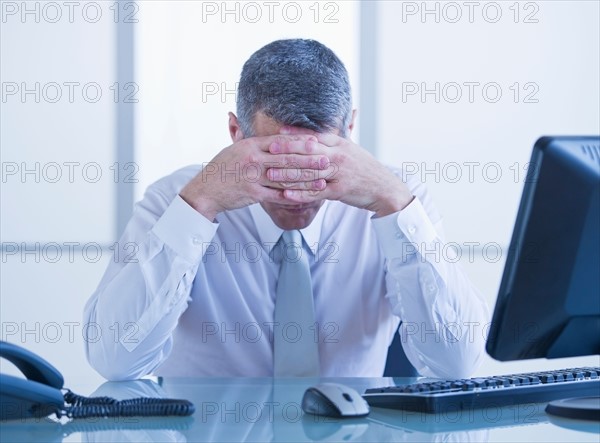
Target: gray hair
295,82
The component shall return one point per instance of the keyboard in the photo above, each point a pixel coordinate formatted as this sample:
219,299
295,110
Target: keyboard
501,390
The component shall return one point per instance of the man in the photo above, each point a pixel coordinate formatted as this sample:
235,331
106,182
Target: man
209,291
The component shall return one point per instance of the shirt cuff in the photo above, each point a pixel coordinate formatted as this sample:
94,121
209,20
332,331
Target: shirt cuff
185,230
404,231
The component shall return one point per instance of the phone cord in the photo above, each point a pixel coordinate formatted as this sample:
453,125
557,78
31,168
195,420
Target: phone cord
79,406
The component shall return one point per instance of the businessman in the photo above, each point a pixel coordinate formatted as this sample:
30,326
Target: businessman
293,252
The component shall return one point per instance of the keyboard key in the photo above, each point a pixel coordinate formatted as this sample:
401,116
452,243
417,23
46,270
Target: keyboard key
479,383
569,376
559,377
547,378
436,388
505,382
468,386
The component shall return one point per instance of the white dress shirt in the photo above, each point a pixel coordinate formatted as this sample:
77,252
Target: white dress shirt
189,297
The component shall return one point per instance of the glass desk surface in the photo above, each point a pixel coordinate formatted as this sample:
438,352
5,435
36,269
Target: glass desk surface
265,409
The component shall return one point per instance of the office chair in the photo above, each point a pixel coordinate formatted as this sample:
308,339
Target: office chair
397,364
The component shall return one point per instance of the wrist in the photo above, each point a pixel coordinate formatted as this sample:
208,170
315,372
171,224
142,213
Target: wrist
394,199
393,203
201,204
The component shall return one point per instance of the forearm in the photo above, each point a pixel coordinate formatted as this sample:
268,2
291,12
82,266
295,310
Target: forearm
135,309
443,315
443,321
130,320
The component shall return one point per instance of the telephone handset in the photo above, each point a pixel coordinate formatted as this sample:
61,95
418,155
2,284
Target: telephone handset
37,396
41,394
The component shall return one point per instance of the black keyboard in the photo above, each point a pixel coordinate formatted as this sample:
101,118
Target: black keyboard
501,390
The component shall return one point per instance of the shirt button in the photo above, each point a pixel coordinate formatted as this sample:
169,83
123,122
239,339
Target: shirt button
431,289
412,229
196,240
398,235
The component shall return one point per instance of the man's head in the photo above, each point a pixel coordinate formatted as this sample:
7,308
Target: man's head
298,83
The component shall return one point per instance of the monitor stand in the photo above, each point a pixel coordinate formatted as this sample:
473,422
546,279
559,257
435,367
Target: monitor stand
580,408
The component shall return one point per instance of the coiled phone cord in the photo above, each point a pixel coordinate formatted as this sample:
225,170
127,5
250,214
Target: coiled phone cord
87,407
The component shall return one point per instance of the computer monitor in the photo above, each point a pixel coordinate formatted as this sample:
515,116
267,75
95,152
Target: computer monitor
549,299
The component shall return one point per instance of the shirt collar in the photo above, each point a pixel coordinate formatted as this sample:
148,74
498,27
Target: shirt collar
269,232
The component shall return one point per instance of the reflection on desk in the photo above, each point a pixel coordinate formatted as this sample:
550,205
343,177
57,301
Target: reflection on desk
264,409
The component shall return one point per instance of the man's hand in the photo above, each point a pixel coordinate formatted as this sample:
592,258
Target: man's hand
236,177
354,176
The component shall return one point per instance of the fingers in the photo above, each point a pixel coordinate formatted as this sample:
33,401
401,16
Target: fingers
300,151
296,151
285,145
314,185
270,195
287,196
297,161
293,143
296,147
324,138
291,162
304,196
291,175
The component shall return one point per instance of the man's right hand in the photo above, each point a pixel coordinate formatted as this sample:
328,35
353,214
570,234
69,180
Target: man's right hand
236,177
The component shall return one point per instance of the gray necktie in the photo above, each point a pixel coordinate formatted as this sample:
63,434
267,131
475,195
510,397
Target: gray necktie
296,353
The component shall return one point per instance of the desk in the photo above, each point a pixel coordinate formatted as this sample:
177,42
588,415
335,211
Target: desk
263,409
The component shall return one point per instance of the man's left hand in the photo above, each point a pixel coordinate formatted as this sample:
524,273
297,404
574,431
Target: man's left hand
354,177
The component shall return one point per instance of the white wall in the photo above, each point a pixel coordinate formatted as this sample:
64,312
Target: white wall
471,151
63,209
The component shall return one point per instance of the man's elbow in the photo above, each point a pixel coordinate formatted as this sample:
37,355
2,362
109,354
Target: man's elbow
456,362
112,364
464,364
114,373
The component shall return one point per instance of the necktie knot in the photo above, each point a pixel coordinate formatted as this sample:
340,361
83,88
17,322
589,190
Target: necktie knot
291,247
292,237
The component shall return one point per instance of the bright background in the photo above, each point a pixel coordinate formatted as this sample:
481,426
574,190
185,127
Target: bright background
72,164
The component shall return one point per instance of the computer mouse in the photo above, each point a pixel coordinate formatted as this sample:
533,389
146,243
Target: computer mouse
334,400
